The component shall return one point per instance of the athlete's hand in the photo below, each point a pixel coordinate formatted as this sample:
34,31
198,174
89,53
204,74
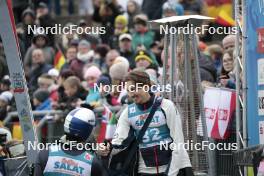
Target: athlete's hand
104,150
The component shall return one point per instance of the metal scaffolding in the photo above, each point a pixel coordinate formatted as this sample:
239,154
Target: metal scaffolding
241,84
241,79
183,75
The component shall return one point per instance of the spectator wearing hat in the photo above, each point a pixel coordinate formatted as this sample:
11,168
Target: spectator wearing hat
229,42
40,41
91,76
38,68
118,71
172,9
84,56
18,7
144,60
125,49
54,73
106,97
142,36
94,40
28,19
121,25
45,20
41,100
215,51
5,102
120,28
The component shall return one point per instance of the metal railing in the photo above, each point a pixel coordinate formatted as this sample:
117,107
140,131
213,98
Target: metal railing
248,157
50,118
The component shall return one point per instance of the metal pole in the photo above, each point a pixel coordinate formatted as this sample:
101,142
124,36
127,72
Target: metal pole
165,63
238,114
244,71
186,92
173,48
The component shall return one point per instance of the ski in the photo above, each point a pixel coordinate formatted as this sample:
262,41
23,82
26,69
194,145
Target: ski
17,77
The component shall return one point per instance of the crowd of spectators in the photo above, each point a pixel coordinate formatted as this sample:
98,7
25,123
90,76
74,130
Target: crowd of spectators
103,59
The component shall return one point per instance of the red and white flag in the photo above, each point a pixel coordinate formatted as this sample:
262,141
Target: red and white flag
219,106
106,116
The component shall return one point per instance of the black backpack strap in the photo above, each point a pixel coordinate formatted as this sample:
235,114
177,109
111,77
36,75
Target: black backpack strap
133,150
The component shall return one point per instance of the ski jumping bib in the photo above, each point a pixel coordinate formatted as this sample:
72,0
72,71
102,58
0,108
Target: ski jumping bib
61,164
157,131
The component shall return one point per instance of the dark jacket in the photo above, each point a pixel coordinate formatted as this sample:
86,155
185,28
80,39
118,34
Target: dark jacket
152,10
129,55
208,71
35,73
194,7
48,21
68,103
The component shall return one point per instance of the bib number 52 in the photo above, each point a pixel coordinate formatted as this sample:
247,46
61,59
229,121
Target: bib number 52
151,135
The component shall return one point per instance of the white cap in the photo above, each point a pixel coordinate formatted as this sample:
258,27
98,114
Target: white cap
53,72
125,36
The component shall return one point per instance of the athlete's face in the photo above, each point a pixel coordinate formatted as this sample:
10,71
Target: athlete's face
137,92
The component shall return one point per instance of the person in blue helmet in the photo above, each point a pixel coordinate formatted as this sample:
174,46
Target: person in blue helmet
70,157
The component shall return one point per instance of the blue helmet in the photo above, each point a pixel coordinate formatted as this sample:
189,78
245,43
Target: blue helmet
80,123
